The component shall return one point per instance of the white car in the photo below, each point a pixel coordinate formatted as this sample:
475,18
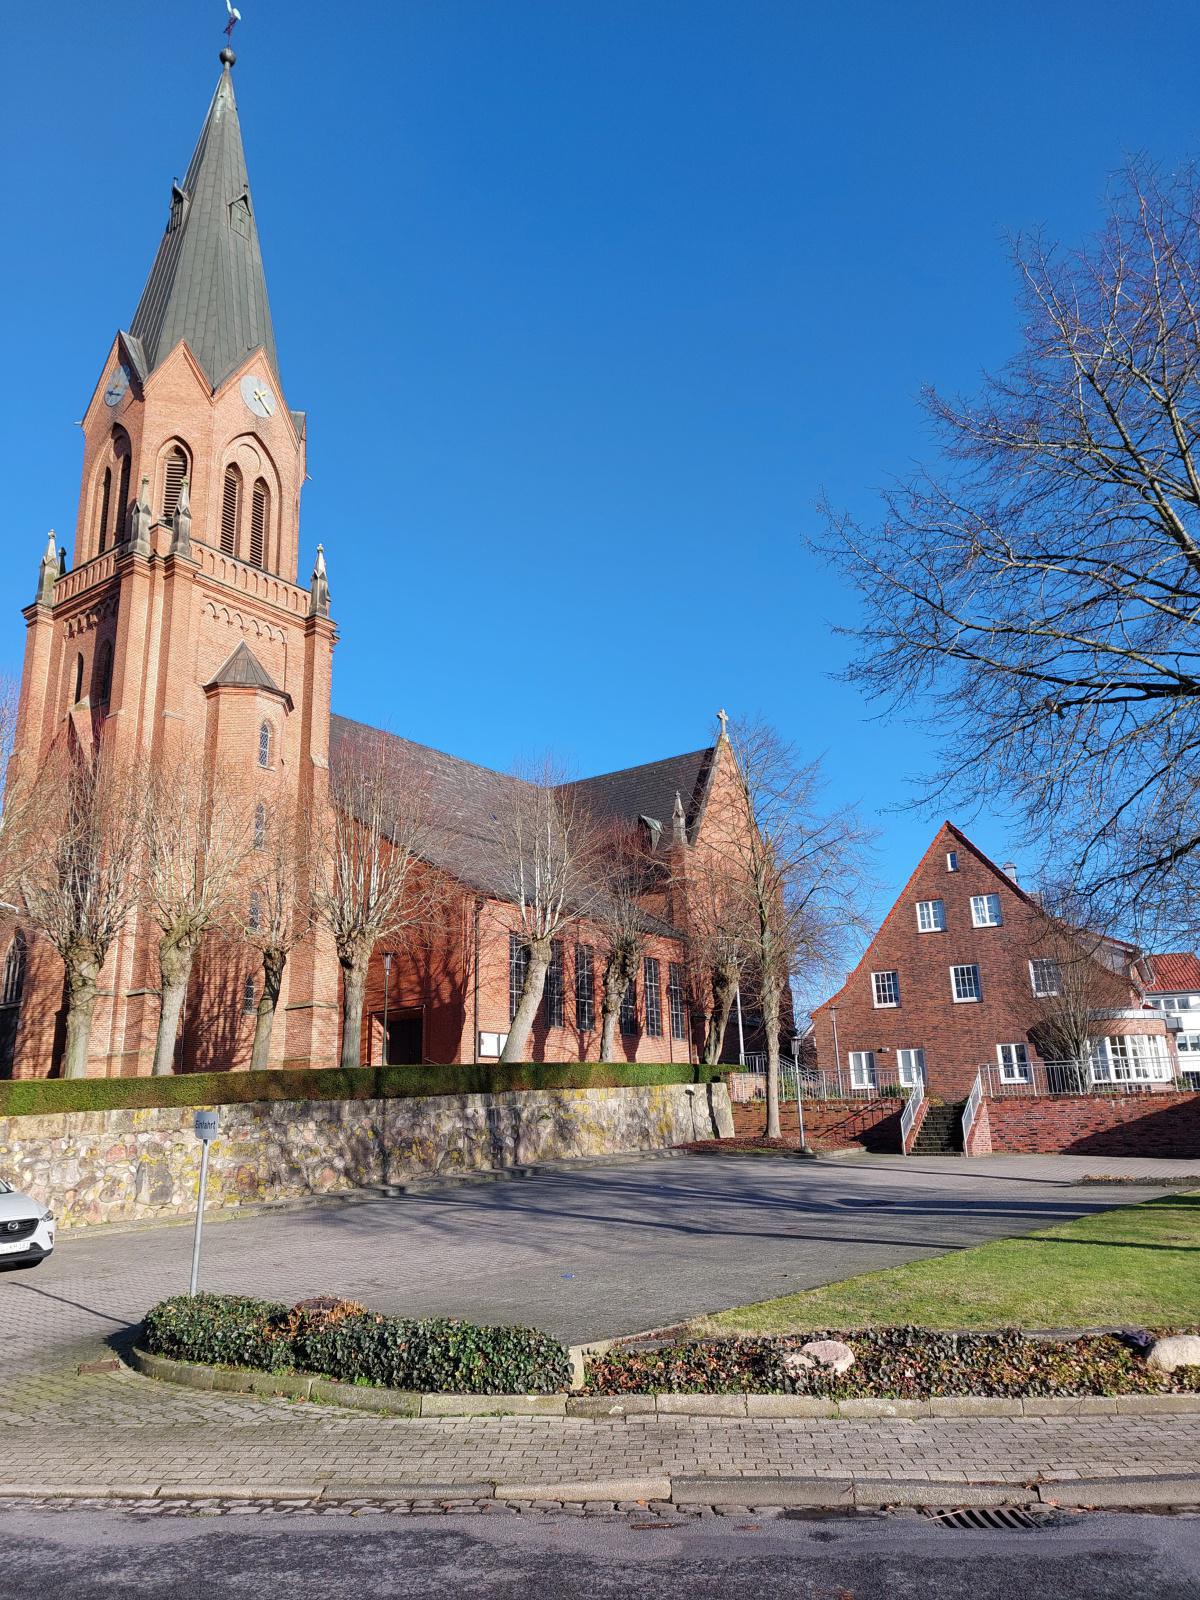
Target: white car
26,1229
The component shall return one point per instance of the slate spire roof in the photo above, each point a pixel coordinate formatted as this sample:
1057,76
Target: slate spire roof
207,283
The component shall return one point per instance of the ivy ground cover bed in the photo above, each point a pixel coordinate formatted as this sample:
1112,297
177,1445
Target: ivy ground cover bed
894,1363
1137,1264
342,1340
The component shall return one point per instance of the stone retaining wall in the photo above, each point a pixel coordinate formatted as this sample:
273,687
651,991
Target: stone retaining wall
828,1124
1091,1124
120,1166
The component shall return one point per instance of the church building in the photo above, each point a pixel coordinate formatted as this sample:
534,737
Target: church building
180,617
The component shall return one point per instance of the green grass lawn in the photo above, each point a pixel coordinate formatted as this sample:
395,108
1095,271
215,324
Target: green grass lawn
1134,1264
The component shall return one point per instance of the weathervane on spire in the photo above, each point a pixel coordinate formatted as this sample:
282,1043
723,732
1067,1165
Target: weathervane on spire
235,16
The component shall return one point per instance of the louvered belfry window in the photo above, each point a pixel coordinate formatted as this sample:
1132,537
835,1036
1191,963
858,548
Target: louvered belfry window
231,504
173,476
259,507
122,452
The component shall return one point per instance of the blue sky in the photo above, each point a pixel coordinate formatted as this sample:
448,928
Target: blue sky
588,301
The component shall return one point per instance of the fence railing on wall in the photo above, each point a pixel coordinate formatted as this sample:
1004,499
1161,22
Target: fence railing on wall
749,1082
909,1115
1072,1077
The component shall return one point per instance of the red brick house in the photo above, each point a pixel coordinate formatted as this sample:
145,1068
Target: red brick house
179,618
1173,988
958,978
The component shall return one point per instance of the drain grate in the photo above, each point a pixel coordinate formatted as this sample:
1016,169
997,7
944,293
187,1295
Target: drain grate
1006,1519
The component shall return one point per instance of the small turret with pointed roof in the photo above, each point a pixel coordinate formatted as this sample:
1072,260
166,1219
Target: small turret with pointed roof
318,604
679,820
207,285
47,573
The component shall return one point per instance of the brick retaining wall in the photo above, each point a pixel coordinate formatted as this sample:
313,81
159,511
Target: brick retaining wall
1094,1124
829,1124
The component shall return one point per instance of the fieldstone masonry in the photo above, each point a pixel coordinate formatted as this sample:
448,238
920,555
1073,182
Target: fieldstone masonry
121,1166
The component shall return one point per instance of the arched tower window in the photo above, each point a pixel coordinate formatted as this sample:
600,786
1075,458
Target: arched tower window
78,695
264,744
250,996
104,664
260,826
124,456
174,472
105,508
260,511
231,509
14,971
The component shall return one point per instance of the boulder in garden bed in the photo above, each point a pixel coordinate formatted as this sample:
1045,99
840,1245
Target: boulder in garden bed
829,1353
1180,1350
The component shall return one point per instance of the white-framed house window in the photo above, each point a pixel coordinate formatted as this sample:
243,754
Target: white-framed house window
910,1067
1014,1062
1188,1046
964,983
1045,977
931,916
985,911
951,860
1130,1058
885,989
862,1069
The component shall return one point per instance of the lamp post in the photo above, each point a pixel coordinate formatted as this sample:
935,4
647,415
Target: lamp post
387,974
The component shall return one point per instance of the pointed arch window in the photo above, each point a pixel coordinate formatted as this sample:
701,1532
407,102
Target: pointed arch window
264,745
174,472
14,971
250,996
231,507
260,826
255,917
78,695
104,667
124,458
105,508
260,511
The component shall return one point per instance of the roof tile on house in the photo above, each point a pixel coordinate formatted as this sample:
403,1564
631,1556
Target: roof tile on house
1174,973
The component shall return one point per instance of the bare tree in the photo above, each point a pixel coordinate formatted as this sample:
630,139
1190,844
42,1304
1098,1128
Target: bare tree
198,835
77,884
276,914
796,870
1041,597
540,848
618,872
1082,976
372,887
713,892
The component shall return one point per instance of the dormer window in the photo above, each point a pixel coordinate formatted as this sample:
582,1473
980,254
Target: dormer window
175,215
239,215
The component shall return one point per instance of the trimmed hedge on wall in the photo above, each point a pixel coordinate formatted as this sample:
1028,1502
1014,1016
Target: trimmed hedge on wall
340,1339
37,1096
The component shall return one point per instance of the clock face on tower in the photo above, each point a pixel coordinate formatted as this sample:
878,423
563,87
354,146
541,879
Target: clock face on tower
256,392
118,385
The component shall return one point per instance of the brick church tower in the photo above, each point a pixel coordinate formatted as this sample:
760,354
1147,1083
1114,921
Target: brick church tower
180,616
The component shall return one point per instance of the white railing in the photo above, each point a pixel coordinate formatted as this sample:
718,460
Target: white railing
749,1082
909,1115
1071,1077
971,1111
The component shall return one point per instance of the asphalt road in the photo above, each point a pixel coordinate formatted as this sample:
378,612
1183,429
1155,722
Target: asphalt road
583,1252
99,1555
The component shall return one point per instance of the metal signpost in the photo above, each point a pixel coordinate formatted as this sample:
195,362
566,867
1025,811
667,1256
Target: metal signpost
205,1128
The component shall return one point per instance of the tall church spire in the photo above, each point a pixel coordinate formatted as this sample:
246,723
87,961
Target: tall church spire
207,283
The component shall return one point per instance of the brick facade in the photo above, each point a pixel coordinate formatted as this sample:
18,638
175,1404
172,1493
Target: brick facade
956,1037
828,1124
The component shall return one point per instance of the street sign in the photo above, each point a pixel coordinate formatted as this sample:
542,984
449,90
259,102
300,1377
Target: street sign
204,1126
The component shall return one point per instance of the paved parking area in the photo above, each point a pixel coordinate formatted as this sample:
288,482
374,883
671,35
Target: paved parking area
583,1252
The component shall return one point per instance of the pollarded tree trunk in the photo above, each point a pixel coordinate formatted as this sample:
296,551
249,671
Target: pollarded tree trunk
537,966
175,955
354,985
724,989
619,971
770,1002
274,962
83,975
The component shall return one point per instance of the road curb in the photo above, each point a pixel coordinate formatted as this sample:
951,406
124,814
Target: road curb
832,1493
617,1407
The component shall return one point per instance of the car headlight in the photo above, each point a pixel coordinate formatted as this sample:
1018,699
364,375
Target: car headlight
46,1216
